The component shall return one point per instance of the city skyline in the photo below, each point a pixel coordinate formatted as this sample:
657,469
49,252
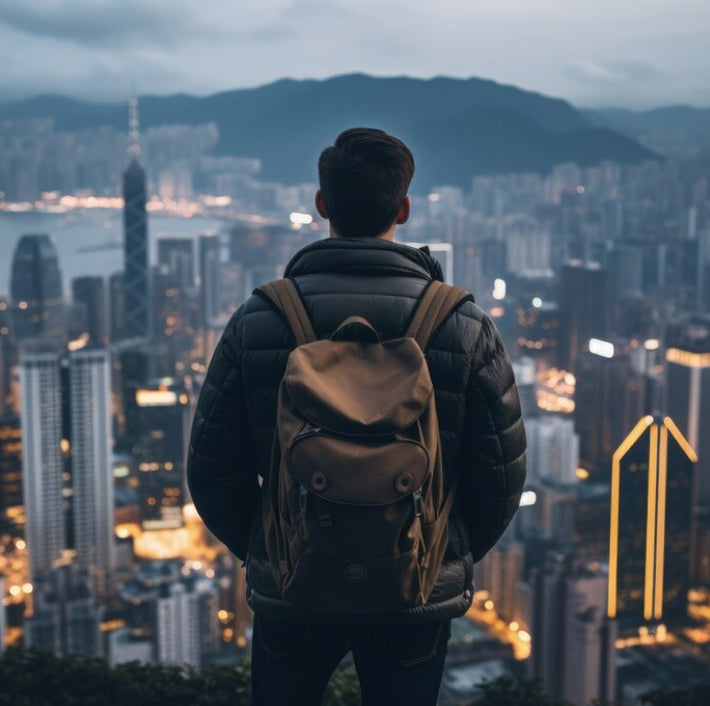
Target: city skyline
601,56
594,275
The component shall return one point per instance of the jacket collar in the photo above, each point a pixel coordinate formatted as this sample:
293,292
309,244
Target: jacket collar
363,256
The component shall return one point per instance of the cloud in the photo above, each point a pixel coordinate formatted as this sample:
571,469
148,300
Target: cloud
165,23
98,22
615,72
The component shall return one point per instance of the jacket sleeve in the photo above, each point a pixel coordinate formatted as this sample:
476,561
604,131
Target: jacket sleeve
221,464
492,470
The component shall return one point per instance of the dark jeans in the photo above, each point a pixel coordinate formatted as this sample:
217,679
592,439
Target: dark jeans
396,664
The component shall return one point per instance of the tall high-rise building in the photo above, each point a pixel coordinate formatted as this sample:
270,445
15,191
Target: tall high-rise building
89,293
66,617
573,640
610,396
553,450
116,307
176,257
8,360
502,573
688,391
135,228
160,446
42,464
178,621
36,291
650,525
2,618
584,309
11,506
92,470
209,278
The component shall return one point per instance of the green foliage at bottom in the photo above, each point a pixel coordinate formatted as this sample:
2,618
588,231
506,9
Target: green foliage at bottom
693,696
35,678
507,691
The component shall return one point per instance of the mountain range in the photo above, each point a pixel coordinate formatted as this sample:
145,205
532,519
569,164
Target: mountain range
457,128
676,122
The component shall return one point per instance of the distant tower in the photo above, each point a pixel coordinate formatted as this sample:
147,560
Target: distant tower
177,631
650,524
135,226
40,382
90,294
209,278
572,639
688,391
2,619
36,291
90,375
584,305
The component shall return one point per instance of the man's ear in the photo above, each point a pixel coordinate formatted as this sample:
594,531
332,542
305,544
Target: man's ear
320,205
404,210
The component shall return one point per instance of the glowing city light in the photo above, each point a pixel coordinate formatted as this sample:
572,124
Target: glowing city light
499,289
529,497
301,219
605,349
156,398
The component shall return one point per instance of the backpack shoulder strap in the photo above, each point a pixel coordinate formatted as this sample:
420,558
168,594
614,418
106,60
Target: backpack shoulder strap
433,308
284,296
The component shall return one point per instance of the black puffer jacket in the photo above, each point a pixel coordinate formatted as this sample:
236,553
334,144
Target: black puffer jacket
482,434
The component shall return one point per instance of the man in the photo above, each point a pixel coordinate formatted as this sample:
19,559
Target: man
364,180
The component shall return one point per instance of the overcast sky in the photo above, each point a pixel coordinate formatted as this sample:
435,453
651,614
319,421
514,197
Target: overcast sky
630,53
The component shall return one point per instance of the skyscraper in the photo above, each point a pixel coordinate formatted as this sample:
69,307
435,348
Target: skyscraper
162,418
209,278
584,309
178,620
117,307
11,508
42,458
573,640
176,257
135,227
67,618
649,537
36,291
610,395
2,618
553,450
688,391
90,375
90,294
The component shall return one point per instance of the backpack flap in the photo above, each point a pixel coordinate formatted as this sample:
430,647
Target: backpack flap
365,390
341,470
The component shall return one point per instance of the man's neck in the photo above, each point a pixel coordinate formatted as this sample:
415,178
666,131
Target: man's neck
387,235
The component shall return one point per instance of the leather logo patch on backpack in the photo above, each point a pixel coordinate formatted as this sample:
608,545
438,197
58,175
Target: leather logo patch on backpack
355,573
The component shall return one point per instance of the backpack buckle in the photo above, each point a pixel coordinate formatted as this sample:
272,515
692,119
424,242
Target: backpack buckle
418,504
324,518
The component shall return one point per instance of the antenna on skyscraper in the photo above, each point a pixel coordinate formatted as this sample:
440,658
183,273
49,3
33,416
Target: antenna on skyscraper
134,124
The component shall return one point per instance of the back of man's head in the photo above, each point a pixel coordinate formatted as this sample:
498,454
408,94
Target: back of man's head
364,179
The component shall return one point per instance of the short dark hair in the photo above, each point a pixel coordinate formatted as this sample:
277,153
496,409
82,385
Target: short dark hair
364,178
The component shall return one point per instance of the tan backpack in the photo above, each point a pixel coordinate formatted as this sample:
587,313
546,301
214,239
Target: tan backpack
355,516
